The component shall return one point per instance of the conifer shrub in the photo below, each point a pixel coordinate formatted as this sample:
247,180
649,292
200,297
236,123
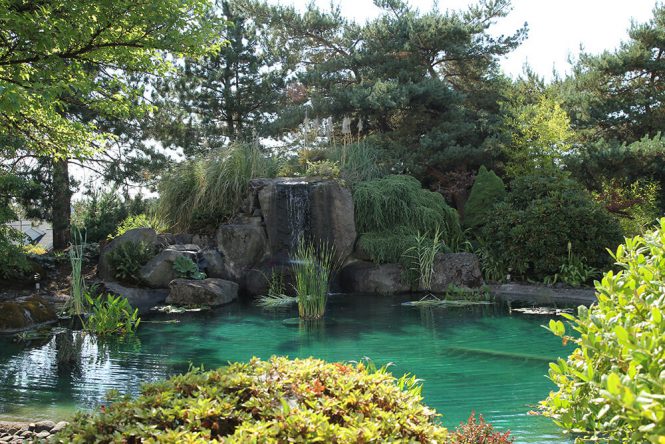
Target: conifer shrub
528,233
611,386
391,211
488,189
279,400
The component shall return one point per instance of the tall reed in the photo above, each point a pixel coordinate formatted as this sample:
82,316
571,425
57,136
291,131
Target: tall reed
312,269
423,254
76,304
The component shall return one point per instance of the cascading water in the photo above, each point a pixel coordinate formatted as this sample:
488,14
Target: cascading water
297,210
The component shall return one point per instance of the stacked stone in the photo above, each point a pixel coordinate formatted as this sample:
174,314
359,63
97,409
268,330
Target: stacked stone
19,432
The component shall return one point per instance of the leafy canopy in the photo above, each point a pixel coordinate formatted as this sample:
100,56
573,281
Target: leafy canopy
57,54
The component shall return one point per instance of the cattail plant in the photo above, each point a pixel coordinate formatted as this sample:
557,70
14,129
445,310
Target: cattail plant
312,268
77,301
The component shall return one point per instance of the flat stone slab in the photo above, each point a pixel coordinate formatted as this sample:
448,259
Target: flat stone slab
539,294
209,291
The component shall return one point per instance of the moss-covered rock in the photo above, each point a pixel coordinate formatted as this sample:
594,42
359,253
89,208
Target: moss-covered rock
304,400
18,315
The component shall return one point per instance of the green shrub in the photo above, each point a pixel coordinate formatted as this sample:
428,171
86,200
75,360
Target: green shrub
323,168
13,261
198,194
488,189
392,210
140,221
128,258
530,231
304,400
611,386
186,268
110,315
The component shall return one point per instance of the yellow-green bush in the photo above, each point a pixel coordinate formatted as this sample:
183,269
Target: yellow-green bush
304,400
612,386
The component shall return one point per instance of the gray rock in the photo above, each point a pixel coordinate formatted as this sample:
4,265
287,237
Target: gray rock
203,240
204,292
213,264
332,219
141,298
59,426
41,426
184,238
242,247
136,235
43,435
192,248
366,277
158,272
461,269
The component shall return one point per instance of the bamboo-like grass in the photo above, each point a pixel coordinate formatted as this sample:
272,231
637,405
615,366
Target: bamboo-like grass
423,255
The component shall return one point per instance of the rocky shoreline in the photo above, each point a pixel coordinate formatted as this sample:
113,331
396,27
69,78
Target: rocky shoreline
19,432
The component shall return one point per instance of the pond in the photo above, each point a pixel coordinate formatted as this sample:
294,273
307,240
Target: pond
481,358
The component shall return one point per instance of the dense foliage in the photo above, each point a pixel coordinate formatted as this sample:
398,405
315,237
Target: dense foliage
529,232
200,193
140,221
392,210
110,315
611,386
488,189
128,258
304,400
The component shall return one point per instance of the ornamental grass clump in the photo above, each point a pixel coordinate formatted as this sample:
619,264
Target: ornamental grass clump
391,211
275,401
612,386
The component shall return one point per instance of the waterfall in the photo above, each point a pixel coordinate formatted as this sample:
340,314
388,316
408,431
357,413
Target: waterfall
297,211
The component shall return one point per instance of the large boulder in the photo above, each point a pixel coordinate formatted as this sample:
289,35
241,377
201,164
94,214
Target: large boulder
367,277
23,314
104,269
460,269
142,298
159,272
332,218
242,247
204,292
213,265
316,209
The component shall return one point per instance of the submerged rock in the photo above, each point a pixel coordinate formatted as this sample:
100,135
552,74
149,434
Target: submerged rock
204,292
367,277
24,314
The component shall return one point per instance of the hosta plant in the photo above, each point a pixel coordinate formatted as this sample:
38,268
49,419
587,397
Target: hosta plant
612,386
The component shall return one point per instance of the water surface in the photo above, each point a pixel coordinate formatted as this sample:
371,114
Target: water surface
481,358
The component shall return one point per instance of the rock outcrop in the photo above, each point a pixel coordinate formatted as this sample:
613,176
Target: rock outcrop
25,313
367,277
210,292
159,272
460,269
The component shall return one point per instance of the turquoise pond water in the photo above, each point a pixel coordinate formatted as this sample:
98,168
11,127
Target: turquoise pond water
480,358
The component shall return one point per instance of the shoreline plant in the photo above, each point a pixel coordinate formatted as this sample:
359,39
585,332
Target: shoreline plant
76,303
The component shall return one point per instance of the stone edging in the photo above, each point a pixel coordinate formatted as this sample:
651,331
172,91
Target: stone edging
539,294
20,432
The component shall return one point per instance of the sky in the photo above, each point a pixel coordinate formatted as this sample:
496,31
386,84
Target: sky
557,28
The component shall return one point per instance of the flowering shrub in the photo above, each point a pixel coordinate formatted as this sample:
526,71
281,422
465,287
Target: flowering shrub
279,400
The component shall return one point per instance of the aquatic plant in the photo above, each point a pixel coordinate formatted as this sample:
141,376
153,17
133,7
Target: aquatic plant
276,296
610,388
279,400
128,258
423,254
186,268
110,315
312,270
76,303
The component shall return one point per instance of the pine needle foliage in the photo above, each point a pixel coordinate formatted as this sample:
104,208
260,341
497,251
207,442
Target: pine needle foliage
211,188
391,211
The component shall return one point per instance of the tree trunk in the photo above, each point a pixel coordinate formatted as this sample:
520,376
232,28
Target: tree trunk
62,199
